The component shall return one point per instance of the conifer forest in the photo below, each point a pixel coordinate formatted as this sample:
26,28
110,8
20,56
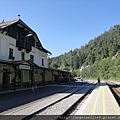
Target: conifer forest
100,57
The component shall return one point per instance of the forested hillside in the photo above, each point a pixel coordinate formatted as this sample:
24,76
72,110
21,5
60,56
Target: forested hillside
96,55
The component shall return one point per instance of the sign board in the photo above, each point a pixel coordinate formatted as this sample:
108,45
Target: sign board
26,67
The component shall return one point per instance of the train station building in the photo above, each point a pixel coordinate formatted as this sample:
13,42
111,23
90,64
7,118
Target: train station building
23,58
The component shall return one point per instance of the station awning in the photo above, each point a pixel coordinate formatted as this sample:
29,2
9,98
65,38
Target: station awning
19,62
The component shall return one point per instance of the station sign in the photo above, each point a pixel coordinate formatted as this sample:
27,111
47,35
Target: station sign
26,67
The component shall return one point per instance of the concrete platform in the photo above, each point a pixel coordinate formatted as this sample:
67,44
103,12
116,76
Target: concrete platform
100,102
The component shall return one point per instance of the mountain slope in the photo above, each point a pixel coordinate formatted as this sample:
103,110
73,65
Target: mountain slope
103,46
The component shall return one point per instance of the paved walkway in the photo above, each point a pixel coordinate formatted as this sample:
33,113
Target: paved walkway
100,102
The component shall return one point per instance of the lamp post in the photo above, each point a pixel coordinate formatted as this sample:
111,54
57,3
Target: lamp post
29,35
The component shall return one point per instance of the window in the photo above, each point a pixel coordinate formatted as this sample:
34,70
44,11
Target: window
27,40
22,56
22,38
42,61
17,36
32,58
11,54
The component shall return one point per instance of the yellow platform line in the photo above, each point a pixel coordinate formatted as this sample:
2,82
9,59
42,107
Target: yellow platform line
103,99
94,108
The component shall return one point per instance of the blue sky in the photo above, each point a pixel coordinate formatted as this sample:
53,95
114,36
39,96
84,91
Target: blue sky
63,25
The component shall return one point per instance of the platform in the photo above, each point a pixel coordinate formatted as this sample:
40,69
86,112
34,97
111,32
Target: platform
100,102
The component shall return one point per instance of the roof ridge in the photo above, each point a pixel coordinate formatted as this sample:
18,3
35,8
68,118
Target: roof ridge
9,21
6,24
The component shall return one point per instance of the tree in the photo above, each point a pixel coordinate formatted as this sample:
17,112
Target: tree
97,53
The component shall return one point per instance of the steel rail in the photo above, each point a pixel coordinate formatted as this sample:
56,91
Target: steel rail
37,112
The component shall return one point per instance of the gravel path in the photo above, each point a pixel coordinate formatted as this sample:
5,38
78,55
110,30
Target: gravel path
56,109
62,106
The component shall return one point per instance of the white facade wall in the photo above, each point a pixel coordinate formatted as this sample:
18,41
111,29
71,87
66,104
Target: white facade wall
38,57
7,42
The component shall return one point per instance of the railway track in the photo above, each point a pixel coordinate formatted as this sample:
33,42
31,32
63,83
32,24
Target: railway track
115,89
63,103
73,107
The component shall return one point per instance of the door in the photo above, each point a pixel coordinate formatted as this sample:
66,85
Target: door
5,80
18,78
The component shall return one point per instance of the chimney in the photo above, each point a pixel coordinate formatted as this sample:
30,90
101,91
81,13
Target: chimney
3,21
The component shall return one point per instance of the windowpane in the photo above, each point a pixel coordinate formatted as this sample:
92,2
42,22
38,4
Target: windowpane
10,51
22,56
32,58
17,36
42,61
22,38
